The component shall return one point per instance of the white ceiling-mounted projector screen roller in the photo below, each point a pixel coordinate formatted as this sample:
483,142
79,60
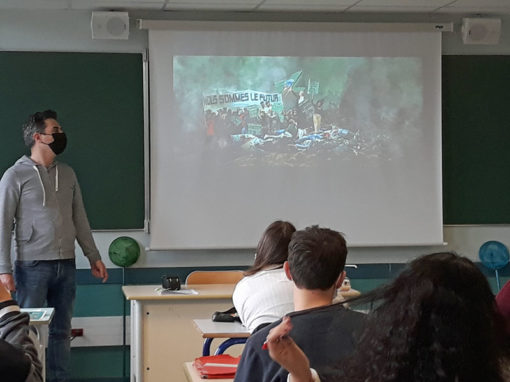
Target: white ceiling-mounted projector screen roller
302,122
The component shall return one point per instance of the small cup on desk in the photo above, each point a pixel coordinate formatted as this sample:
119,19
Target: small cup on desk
170,282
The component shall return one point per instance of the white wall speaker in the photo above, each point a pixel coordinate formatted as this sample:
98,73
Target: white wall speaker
484,31
110,25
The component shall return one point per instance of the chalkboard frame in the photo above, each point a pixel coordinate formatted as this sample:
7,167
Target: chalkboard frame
100,104
476,135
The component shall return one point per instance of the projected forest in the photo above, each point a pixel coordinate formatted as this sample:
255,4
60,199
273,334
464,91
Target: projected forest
296,111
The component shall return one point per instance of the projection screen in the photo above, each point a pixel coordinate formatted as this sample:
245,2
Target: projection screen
254,122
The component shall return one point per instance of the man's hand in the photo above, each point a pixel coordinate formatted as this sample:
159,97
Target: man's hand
283,350
99,270
7,281
5,295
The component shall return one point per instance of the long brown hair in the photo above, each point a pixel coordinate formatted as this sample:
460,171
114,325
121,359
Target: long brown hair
273,246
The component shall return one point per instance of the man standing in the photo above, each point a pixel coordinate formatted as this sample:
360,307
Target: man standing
40,200
325,332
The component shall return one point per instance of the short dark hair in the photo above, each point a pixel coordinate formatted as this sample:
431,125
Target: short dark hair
316,257
273,246
35,124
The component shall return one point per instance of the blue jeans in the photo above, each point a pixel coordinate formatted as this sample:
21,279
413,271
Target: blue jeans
50,283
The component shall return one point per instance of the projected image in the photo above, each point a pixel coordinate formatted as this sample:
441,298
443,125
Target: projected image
295,111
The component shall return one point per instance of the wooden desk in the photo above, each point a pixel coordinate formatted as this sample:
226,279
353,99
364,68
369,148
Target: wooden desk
349,293
39,316
210,329
163,335
193,376
234,331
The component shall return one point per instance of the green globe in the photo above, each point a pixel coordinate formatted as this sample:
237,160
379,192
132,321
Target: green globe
124,251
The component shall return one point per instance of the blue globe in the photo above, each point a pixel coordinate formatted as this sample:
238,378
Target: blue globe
493,254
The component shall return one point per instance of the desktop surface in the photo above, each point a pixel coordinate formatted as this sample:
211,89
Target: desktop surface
204,291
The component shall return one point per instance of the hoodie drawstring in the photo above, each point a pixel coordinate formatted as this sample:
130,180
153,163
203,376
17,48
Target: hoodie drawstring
42,185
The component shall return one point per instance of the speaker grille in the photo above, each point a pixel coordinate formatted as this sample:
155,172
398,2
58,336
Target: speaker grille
116,26
110,25
481,30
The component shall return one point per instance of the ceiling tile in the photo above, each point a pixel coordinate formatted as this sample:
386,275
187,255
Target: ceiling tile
308,2
228,5
387,6
439,6
482,11
480,3
117,4
394,9
33,4
478,6
307,5
404,3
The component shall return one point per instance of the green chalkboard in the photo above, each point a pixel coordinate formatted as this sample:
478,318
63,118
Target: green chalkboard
476,139
99,101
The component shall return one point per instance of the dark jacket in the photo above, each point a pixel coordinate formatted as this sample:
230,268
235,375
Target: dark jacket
19,361
326,335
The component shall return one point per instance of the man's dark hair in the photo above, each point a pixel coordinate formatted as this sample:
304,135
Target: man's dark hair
35,124
316,257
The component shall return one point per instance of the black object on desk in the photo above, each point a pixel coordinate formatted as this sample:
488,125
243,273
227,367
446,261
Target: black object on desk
170,282
226,316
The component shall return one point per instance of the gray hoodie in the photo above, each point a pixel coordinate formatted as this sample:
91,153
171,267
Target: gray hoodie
44,208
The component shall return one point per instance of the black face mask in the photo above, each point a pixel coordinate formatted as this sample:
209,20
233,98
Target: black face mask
59,143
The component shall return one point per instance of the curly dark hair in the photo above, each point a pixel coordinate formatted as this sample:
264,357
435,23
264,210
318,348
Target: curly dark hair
437,321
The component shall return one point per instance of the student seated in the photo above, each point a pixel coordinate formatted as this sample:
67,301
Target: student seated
324,331
436,322
264,295
19,361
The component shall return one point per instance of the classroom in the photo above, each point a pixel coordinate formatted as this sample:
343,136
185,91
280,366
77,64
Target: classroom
56,36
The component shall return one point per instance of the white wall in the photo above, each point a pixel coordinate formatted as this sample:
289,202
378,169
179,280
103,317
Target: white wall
465,240
62,31
70,31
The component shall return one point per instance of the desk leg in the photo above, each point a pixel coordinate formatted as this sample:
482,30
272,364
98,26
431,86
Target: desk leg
40,337
136,342
227,343
206,349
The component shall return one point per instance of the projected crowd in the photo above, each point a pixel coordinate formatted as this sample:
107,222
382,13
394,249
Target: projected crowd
294,124
297,111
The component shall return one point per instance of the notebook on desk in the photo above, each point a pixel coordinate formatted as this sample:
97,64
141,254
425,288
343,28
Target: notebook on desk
216,366
39,315
186,292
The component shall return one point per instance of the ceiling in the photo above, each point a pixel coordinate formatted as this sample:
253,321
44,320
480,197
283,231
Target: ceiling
482,7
